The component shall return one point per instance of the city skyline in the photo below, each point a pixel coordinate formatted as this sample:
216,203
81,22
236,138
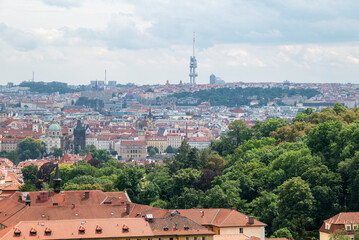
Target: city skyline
149,42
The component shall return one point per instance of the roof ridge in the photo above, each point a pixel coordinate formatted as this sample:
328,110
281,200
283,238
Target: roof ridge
228,216
215,215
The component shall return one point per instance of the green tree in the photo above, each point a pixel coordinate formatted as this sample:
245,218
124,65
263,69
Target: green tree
169,149
30,149
282,233
27,187
159,203
265,208
150,193
30,173
100,154
295,200
339,235
129,179
239,132
190,198
57,152
152,152
184,178
215,162
263,129
13,157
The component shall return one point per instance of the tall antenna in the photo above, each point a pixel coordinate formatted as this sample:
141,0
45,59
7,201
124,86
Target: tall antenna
33,76
194,41
105,76
193,64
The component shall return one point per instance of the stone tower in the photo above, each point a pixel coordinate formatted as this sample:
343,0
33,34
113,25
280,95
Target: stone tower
79,135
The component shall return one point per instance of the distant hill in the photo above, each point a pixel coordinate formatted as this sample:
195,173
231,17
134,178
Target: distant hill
51,87
240,96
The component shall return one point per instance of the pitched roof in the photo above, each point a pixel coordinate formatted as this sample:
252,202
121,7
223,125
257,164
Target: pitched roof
344,218
219,217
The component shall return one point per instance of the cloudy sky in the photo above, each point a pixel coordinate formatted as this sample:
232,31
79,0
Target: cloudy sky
149,41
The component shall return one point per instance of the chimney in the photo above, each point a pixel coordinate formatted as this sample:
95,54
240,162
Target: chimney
251,220
28,200
234,208
86,195
202,213
128,208
57,180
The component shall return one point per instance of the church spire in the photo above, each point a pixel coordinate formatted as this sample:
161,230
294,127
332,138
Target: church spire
57,180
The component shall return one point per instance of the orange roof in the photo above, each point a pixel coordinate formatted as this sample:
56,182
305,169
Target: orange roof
238,110
130,142
344,218
70,229
219,217
199,139
66,158
240,236
88,157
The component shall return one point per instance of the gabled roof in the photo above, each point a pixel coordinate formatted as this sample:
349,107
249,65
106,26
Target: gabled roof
219,217
344,218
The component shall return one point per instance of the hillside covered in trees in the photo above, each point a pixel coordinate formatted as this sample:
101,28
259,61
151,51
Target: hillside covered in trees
232,97
51,87
291,176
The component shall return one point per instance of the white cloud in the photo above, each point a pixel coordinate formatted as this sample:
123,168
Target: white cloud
150,41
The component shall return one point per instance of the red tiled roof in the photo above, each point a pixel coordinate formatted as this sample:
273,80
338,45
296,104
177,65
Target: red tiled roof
218,217
129,142
238,110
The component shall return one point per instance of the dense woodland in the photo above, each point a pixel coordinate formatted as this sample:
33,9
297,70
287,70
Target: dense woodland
232,97
42,87
291,176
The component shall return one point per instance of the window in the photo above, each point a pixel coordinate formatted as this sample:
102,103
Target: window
241,230
195,238
187,238
327,226
171,238
355,227
348,227
203,238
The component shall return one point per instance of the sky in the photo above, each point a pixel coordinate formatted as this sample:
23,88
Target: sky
150,41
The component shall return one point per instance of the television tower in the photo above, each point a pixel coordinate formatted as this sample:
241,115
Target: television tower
193,65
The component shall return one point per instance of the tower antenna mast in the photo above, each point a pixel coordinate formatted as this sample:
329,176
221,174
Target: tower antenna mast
193,64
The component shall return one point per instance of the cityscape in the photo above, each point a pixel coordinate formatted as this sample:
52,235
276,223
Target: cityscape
175,140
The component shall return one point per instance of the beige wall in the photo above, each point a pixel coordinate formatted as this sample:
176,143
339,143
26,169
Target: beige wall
248,231
326,236
208,237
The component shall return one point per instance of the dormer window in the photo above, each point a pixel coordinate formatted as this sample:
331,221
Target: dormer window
81,230
355,227
17,232
125,228
48,231
348,227
33,232
327,226
98,229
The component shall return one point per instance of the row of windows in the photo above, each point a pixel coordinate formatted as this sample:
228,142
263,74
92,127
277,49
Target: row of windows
349,227
135,156
171,238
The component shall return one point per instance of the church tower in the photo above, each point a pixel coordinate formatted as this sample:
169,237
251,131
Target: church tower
79,135
3,113
57,181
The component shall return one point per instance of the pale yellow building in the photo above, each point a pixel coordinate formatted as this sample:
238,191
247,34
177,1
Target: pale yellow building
226,222
346,223
159,142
